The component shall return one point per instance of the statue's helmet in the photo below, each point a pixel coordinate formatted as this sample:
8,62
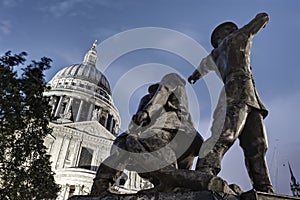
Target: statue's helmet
153,88
222,31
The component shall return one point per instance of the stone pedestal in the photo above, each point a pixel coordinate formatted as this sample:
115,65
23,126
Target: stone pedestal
252,195
198,195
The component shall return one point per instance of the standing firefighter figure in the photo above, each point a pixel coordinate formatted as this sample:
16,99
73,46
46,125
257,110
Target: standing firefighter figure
244,112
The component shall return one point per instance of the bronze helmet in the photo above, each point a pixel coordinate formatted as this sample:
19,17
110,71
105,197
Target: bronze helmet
218,32
153,88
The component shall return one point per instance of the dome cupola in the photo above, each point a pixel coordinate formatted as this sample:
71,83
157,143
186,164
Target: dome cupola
85,71
91,57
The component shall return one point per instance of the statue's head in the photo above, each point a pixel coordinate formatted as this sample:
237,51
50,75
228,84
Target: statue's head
153,88
222,31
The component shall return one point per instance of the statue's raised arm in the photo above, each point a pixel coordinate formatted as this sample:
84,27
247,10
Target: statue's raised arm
256,24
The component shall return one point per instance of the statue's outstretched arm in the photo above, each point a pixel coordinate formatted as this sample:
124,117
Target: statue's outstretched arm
206,65
256,24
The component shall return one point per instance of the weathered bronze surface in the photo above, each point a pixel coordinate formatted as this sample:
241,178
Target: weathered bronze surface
162,128
244,111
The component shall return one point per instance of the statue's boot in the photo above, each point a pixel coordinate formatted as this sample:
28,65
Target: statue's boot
259,174
211,162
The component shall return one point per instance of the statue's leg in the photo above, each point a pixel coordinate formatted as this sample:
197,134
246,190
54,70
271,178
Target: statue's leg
166,177
153,155
191,150
234,122
156,143
253,140
112,167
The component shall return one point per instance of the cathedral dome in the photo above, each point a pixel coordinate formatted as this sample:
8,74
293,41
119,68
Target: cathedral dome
80,92
85,72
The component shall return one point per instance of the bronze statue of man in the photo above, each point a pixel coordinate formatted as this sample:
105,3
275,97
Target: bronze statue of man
244,112
163,122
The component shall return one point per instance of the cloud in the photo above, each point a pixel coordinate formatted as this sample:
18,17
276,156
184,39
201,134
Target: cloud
5,27
63,7
11,3
77,7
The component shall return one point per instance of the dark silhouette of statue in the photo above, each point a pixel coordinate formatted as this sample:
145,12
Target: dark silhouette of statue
161,132
244,112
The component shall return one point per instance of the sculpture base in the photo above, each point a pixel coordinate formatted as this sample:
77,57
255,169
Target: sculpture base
253,195
195,195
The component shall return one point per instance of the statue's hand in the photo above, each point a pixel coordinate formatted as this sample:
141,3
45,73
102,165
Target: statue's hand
264,17
141,118
192,80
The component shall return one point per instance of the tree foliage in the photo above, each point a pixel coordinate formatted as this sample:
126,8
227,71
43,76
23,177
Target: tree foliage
25,171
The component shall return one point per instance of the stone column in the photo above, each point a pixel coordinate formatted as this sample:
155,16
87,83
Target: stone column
108,123
58,106
77,154
128,182
53,103
79,111
59,144
63,151
49,149
62,193
137,181
99,114
67,190
106,120
67,151
92,107
69,104
111,124
78,189
75,150
132,179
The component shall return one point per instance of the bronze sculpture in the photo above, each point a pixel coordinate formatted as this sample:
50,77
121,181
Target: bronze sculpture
230,59
161,122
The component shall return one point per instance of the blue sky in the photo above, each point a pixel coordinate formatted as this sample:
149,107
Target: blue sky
65,29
